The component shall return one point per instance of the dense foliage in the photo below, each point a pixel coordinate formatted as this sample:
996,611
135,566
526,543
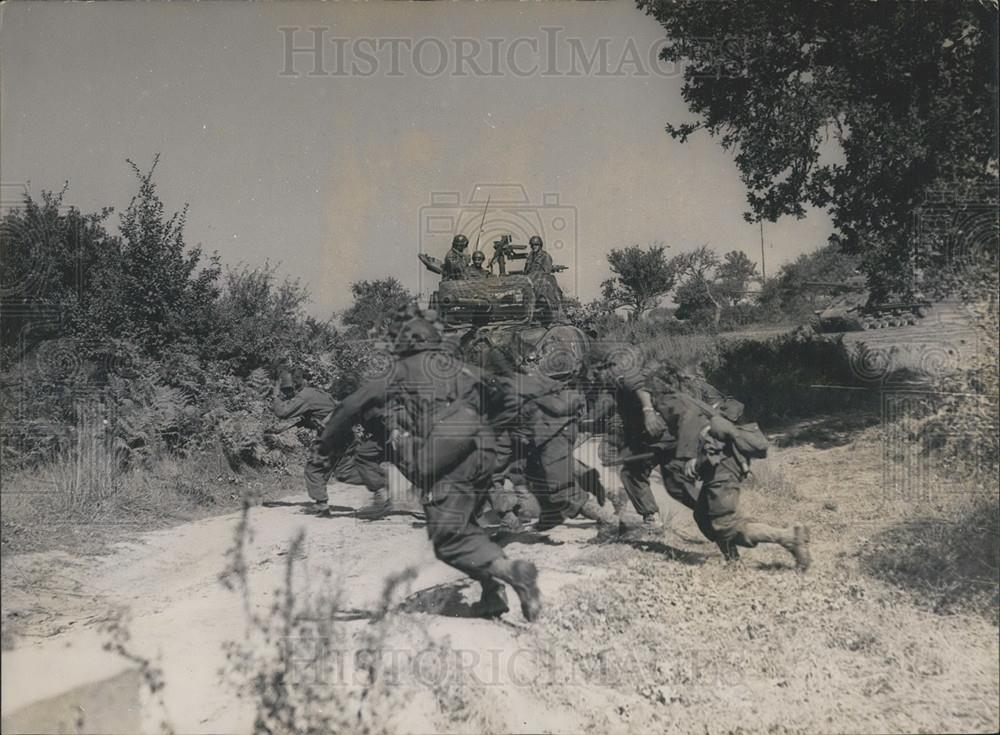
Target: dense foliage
885,114
142,340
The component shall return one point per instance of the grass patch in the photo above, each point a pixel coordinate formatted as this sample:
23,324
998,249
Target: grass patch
84,498
949,563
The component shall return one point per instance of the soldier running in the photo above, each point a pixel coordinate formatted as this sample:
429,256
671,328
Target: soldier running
444,447
539,418
703,457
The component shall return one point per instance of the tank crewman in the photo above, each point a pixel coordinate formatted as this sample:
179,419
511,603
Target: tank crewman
477,270
538,267
456,265
538,262
443,446
703,458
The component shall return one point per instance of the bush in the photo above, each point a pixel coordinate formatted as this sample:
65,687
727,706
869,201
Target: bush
789,376
260,321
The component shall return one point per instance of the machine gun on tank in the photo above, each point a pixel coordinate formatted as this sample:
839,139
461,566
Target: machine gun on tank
504,249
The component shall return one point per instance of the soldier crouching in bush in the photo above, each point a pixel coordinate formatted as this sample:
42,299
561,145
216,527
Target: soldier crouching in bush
310,407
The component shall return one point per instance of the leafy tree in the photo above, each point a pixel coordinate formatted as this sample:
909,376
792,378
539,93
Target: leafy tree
375,304
50,254
640,278
793,292
697,291
733,276
594,317
261,321
149,288
908,91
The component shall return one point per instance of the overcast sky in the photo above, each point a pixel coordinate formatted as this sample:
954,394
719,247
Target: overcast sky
344,165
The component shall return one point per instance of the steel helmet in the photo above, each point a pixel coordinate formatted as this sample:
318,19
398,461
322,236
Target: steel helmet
535,240
478,257
460,242
416,335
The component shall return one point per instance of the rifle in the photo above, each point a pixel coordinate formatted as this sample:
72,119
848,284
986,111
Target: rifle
626,459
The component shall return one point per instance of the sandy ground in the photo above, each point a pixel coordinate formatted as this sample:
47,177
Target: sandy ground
181,617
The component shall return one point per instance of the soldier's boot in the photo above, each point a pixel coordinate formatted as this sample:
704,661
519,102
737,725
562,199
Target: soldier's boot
511,523
493,601
549,518
730,551
380,507
619,500
608,522
800,548
527,507
320,508
795,540
523,577
652,522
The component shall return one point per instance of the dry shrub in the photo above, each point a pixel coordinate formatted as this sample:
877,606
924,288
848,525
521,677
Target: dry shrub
684,350
87,475
290,663
949,555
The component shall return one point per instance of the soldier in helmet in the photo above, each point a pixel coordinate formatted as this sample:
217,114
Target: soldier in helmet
309,407
538,262
477,270
703,458
456,265
441,443
538,418
538,267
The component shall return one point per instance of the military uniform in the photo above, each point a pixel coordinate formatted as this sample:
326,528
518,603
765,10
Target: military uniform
455,265
695,433
538,267
477,271
538,262
362,463
434,404
310,407
541,416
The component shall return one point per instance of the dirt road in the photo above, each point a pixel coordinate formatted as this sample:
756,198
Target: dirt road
647,633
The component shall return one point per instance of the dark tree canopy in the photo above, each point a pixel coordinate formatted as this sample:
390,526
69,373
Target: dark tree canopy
640,278
733,276
375,304
697,271
153,288
906,90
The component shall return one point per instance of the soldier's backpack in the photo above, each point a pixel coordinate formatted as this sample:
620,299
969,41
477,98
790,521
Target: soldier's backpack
747,439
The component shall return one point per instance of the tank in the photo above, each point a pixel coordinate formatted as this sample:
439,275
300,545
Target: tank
852,308
511,310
